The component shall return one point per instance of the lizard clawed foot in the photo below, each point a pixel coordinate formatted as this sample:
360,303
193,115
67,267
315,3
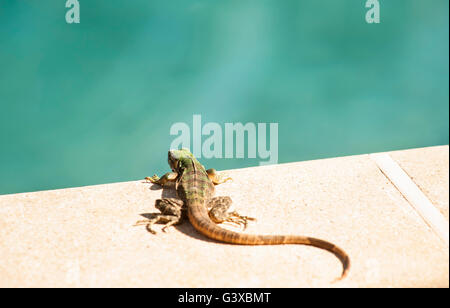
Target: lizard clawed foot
167,179
240,220
148,224
168,221
167,225
141,222
217,178
152,179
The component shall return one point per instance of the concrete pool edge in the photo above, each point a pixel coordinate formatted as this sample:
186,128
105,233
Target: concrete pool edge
84,236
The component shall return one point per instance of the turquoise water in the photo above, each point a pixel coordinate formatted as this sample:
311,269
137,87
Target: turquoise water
93,102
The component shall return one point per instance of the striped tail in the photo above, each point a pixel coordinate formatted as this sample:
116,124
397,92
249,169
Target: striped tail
199,218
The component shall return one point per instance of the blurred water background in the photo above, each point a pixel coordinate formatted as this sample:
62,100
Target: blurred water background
93,103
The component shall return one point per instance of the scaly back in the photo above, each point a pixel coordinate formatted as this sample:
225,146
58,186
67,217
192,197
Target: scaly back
194,185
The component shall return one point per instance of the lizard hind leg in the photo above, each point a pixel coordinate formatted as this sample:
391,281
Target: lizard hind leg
172,212
219,212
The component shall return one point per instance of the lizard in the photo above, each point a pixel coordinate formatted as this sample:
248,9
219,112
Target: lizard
195,190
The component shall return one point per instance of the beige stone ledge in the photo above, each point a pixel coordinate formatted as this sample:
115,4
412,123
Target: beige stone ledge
84,237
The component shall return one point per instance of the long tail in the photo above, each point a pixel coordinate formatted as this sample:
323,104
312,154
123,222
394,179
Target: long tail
199,218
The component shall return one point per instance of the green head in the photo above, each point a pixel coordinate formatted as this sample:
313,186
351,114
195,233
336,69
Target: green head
180,159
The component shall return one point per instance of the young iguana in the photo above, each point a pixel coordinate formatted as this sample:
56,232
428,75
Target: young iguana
195,188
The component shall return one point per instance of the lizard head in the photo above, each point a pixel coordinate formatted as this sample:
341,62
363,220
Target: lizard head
179,159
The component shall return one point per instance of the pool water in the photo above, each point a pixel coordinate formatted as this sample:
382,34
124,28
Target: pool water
93,102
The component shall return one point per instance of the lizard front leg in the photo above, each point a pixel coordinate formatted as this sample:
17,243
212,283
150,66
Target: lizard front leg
219,213
217,178
167,179
172,212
